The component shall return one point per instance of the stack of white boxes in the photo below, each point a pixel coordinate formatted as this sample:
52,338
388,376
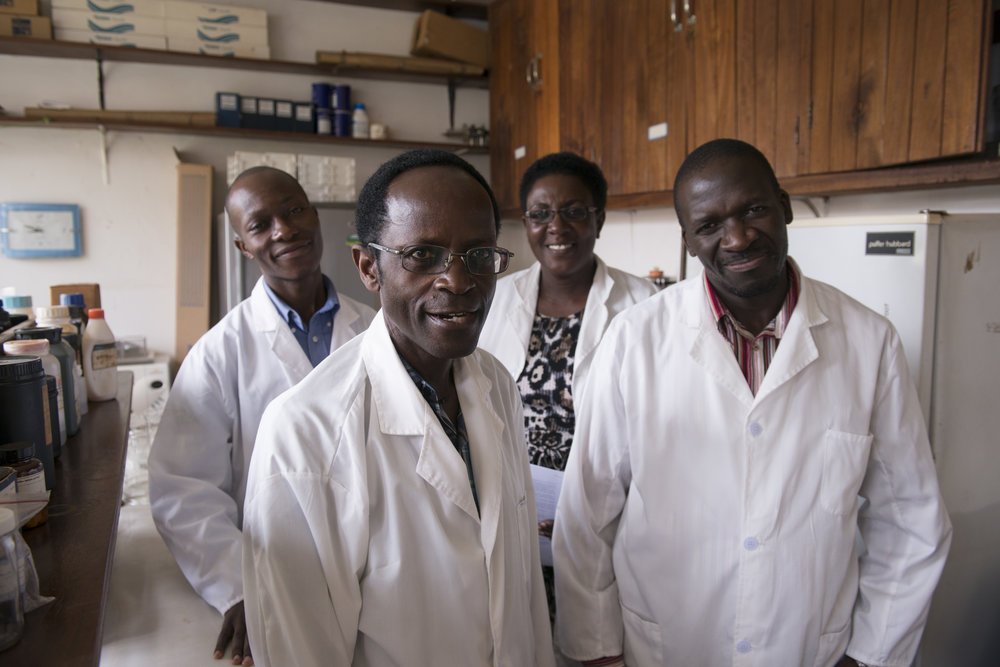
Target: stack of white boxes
191,27
221,30
138,23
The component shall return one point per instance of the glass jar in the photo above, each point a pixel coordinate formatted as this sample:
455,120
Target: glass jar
30,481
11,608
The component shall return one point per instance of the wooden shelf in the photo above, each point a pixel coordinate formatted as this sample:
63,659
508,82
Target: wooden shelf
242,134
44,48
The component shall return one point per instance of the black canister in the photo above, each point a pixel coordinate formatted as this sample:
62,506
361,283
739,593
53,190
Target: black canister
24,403
56,450
66,355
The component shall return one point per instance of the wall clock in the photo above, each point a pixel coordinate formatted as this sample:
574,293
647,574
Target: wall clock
40,230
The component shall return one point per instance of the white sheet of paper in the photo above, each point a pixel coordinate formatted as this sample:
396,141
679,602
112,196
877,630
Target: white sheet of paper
547,483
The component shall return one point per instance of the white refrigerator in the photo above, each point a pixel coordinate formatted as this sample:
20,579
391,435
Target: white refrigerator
937,278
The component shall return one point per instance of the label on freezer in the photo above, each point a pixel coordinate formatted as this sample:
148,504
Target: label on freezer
889,243
657,131
520,152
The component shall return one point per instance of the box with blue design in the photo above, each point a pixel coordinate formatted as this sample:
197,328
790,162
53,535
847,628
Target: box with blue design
103,22
207,13
115,7
218,33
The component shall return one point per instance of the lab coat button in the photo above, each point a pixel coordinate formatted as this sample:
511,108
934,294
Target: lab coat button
750,543
743,646
756,429
315,339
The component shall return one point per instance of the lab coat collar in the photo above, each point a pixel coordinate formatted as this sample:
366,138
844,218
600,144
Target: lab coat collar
711,350
267,321
401,410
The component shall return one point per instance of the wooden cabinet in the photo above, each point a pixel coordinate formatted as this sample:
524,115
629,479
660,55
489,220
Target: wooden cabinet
895,82
821,87
524,91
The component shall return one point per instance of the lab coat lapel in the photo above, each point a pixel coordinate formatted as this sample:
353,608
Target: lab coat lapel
512,347
709,349
797,348
595,317
403,411
267,321
486,430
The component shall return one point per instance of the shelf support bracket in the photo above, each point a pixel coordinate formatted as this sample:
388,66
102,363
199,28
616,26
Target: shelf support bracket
100,79
102,131
451,103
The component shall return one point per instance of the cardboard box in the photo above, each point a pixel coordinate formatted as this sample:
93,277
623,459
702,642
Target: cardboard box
38,27
194,254
21,7
201,12
229,35
439,36
75,19
218,49
111,39
118,7
91,293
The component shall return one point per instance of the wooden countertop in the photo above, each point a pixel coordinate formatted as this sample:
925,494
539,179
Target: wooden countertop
74,549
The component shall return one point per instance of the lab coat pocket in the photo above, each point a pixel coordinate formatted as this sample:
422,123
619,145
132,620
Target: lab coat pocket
845,459
832,646
643,640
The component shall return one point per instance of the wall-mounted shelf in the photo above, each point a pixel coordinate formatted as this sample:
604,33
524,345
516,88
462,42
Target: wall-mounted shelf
239,133
44,48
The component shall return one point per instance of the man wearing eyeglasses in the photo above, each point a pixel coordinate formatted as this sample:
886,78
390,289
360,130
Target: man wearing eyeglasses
390,518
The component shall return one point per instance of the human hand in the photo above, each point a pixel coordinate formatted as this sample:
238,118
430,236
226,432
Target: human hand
545,527
234,627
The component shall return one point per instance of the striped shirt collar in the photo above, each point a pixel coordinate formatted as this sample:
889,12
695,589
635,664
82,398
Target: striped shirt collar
775,327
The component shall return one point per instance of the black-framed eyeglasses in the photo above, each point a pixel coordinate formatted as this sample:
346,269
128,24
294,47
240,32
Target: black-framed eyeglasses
484,261
543,216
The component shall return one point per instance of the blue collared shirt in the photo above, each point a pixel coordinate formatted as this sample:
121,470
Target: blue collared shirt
314,340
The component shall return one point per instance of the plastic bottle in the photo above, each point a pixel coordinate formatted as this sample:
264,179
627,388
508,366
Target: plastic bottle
66,355
11,609
359,122
18,305
77,310
100,358
39,347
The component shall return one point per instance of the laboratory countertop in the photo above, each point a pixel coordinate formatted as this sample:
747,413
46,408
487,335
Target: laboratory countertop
74,549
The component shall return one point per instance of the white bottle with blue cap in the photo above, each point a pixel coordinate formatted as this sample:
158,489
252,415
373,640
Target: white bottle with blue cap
359,122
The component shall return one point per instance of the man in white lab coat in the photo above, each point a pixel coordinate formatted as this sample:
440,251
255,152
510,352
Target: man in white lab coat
749,423
389,517
292,320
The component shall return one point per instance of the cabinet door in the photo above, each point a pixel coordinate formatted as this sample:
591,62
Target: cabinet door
774,40
524,91
895,81
711,49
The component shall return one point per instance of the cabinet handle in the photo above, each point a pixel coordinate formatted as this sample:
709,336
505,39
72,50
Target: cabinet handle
691,18
678,26
534,71
527,74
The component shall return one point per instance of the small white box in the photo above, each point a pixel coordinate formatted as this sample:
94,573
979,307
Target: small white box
240,161
112,39
188,31
116,7
219,49
219,14
74,19
327,179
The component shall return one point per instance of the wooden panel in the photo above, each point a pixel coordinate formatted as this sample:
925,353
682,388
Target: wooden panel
654,66
899,81
581,84
962,118
506,40
872,83
822,87
803,136
678,101
844,93
794,32
545,21
928,80
713,44
765,85
746,71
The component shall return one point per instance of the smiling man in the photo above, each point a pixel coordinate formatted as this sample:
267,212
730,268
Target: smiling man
390,518
292,320
752,423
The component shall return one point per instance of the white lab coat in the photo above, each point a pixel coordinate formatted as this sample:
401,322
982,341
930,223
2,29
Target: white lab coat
362,543
199,459
508,327
701,525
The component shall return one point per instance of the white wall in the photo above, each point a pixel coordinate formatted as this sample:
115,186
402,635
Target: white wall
128,207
